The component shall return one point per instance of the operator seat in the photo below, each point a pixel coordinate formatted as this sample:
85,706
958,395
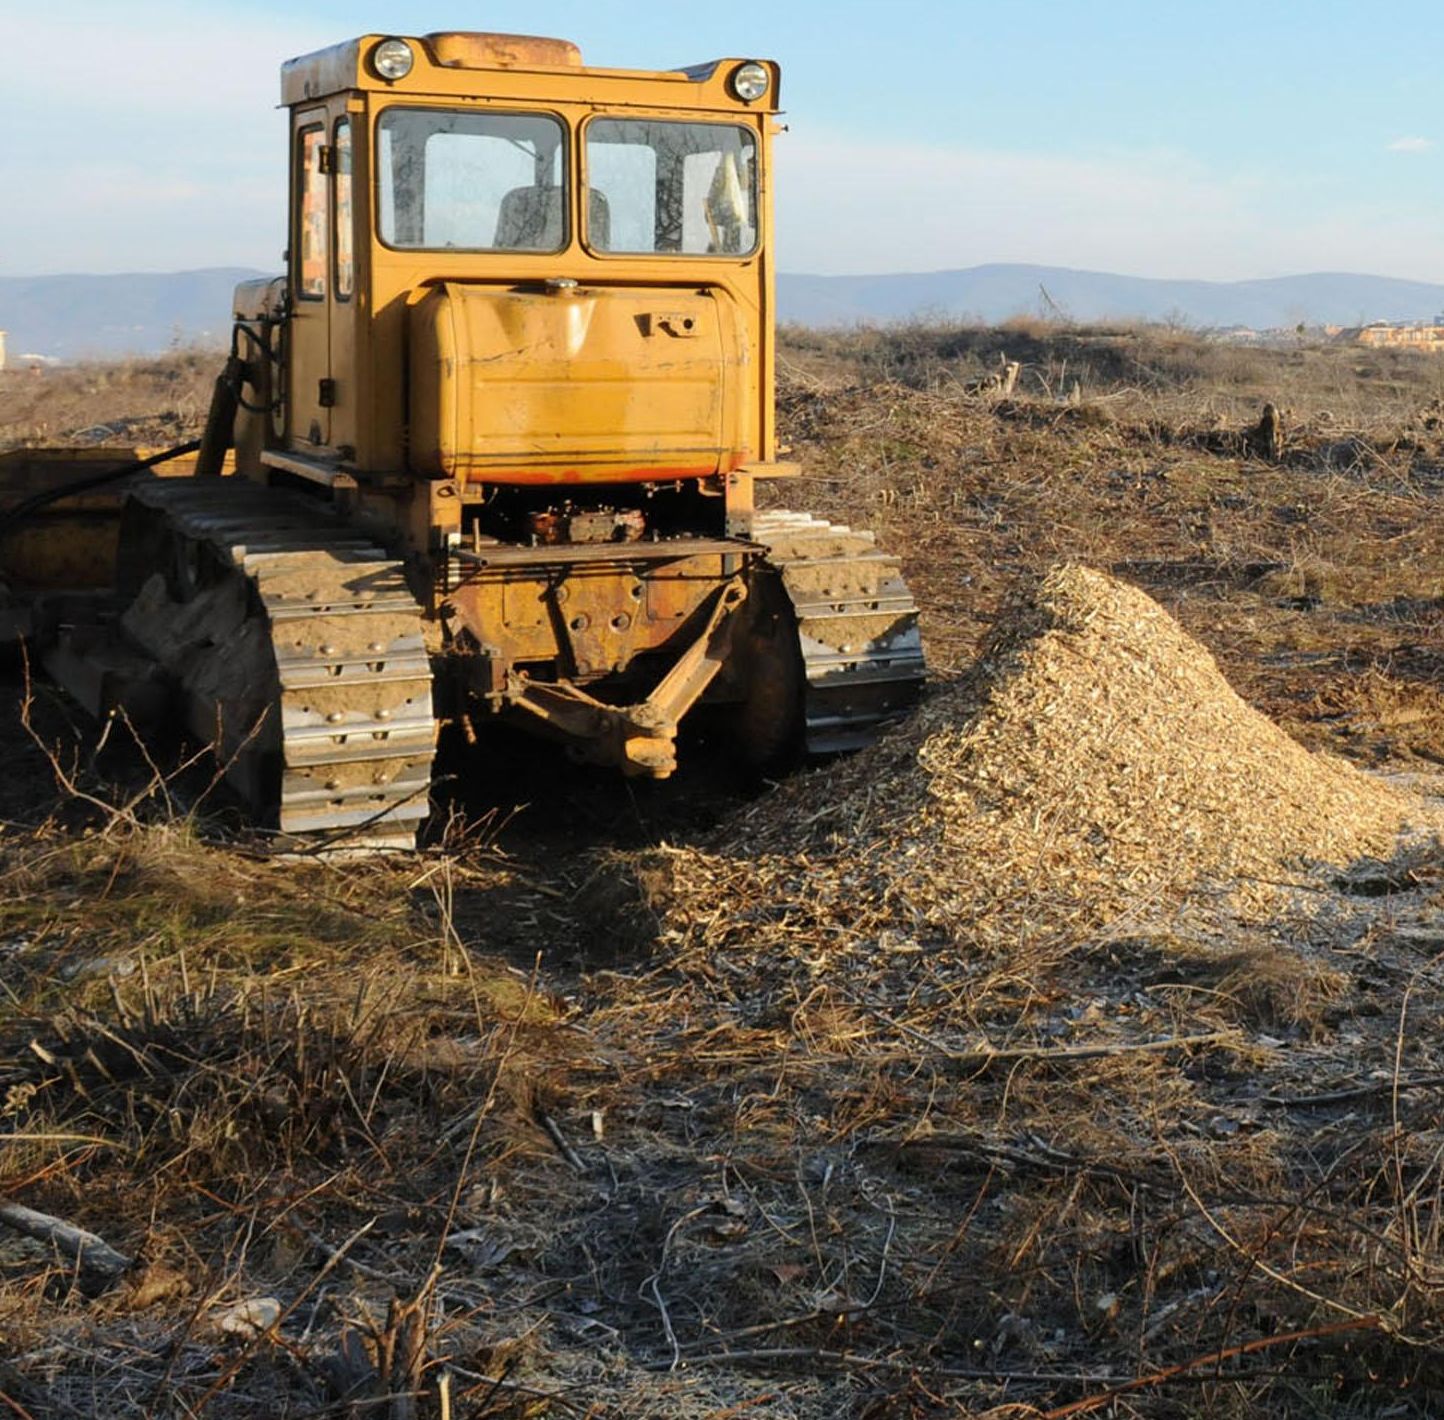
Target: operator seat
530,219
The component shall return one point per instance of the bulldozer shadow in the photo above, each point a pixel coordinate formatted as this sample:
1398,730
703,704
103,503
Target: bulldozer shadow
508,789
511,790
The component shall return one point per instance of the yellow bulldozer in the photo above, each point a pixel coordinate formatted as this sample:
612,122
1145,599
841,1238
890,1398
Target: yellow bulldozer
487,450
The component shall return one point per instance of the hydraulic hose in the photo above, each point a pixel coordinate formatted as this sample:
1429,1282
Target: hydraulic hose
11,518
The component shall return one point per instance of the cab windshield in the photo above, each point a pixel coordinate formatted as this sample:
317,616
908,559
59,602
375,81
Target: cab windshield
689,188
462,180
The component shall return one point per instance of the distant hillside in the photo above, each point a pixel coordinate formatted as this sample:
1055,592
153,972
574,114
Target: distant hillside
77,316
73,317
994,293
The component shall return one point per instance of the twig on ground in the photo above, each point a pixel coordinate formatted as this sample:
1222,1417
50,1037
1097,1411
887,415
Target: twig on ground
653,1283
1212,1358
229,1373
555,1134
856,1361
988,1055
515,1388
1357,1092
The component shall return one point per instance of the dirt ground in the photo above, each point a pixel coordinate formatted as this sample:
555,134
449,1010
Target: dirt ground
494,1132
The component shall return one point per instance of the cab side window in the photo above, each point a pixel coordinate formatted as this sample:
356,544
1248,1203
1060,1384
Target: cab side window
311,218
345,231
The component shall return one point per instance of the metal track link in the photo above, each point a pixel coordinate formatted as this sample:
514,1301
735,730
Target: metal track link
333,635
857,624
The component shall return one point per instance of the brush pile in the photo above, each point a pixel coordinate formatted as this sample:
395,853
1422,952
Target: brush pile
1094,766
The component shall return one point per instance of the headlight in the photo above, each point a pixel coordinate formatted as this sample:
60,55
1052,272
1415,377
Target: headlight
750,82
392,59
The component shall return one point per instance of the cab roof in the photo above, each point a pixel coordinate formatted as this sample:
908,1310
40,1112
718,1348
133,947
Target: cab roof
451,64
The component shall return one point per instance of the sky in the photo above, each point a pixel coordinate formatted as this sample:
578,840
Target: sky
1211,139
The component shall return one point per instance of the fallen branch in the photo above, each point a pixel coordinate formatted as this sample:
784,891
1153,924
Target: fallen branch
987,1054
1356,1092
15,1407
65,1139
89,1252
857,1361
1042,1157
1213,1358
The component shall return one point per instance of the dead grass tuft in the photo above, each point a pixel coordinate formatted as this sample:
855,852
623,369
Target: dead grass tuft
1267,988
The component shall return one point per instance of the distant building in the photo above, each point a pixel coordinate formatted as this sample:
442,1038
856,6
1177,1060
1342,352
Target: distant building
1382,334
2,349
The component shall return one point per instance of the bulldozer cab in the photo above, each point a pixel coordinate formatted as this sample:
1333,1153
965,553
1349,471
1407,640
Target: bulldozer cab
506,268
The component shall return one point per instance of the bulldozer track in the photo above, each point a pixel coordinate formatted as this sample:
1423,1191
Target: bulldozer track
305,636
857,626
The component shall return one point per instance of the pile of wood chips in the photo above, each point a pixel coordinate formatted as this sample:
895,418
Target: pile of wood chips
1094,765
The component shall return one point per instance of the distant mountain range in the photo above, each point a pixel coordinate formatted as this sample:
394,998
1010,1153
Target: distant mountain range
990,294
76,317
72,317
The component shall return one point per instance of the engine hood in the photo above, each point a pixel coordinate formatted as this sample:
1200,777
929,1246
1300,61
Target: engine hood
568,384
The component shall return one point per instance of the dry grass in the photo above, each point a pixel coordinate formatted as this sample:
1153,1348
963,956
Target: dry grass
777,1152
145,402
1145,373
212,1059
